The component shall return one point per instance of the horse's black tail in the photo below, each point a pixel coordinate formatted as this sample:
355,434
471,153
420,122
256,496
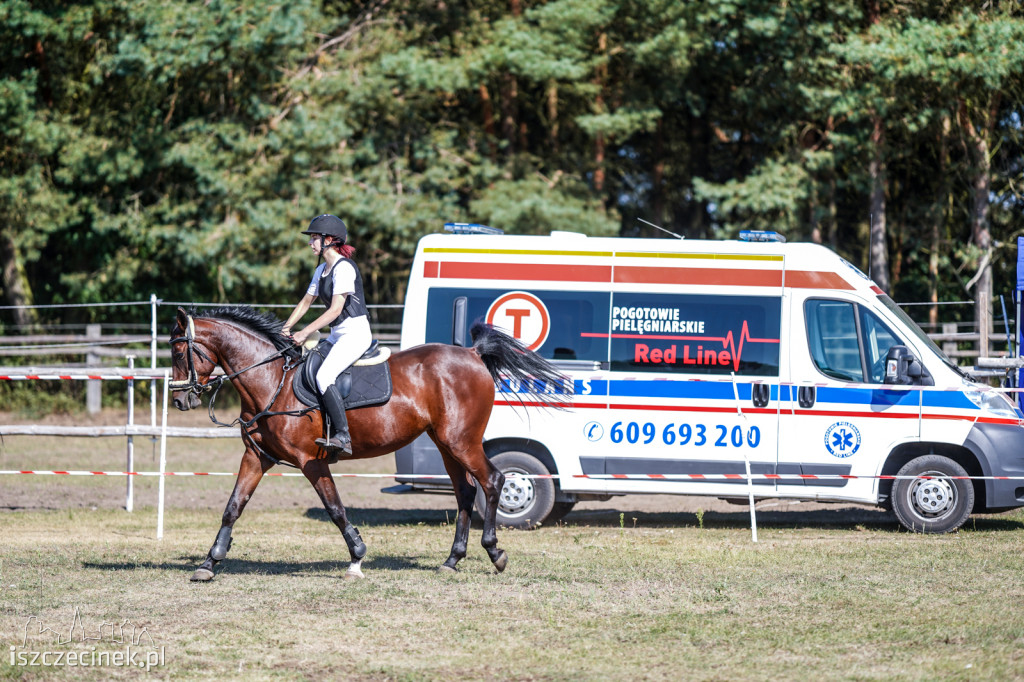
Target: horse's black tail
524,371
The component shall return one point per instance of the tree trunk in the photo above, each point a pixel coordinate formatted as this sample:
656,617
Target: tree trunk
978,145
878,263
488,113
600,78
509,104
937,217
658,177
553,114
14,283
833,213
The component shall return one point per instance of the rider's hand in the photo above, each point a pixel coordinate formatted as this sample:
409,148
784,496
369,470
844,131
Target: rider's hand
298,338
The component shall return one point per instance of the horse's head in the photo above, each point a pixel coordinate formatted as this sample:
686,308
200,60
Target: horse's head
191,365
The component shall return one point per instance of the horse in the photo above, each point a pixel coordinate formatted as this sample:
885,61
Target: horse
444,390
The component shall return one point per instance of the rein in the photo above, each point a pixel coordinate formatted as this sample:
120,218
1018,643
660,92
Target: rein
213,386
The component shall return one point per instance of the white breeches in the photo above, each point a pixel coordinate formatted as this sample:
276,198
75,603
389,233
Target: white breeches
350,342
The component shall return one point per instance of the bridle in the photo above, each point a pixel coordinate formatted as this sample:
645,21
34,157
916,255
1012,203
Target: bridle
190,384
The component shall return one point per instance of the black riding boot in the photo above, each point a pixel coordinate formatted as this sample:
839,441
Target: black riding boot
339,442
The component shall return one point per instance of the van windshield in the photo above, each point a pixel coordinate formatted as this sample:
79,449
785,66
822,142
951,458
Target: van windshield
912,326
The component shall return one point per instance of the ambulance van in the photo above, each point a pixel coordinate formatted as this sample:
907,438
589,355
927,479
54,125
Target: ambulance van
691,360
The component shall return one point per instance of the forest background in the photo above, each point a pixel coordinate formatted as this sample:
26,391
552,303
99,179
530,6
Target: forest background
179,147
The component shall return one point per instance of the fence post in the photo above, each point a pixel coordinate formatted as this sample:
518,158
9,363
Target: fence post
152,359
129,495
93,387
949,347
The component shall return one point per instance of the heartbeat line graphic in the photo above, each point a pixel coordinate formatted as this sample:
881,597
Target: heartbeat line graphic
731,353
123,633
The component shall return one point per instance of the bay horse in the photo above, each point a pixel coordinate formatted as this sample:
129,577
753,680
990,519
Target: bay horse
445,391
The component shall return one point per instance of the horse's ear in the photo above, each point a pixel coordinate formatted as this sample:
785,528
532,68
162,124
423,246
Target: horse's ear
182,319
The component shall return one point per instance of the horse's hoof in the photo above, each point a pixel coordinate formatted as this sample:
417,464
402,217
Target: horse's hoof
501,562
444,568
202,575
354,574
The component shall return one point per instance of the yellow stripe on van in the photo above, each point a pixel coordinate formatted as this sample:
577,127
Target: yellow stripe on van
608,254
520,252
698,256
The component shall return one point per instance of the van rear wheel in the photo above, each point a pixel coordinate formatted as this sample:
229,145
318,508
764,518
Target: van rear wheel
938,504
522,502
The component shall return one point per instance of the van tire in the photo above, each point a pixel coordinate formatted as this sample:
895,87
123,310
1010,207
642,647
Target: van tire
523,503
939,505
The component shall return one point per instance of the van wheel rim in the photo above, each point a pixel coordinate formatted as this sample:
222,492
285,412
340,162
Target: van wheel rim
933,498
517,494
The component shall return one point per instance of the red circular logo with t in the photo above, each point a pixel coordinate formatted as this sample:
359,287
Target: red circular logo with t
522,315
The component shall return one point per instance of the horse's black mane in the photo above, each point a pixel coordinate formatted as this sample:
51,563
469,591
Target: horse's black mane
265,324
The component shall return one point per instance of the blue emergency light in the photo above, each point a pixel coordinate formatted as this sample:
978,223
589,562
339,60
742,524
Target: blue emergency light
472,228
761,236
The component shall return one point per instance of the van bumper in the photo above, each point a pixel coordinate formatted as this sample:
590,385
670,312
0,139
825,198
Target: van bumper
1000,450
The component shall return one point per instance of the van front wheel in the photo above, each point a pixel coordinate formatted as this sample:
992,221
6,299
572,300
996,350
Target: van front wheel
522,502
939,503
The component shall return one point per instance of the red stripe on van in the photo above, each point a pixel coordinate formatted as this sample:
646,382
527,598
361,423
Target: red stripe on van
631,274
816,279
800,279
527,271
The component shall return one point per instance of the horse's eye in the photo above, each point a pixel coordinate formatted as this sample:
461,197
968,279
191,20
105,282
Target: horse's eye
177,356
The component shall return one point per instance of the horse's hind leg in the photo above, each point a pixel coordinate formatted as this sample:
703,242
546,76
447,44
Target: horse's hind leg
250,474
318,473
491,480
490,537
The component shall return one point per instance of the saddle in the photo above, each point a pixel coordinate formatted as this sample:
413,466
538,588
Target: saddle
367,382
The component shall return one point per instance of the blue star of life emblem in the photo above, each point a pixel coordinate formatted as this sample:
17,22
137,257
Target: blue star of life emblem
842,439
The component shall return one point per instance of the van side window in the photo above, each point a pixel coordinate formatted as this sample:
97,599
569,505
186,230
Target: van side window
848,342
575,328
695,333
878,339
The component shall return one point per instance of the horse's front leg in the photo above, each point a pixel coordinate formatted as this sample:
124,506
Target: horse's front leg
250,473
319,474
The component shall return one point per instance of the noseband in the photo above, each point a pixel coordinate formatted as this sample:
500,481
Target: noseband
192,382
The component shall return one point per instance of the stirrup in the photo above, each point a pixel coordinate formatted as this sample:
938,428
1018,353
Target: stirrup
335,445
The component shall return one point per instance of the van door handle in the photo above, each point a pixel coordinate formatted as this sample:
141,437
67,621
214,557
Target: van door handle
805,396
760,394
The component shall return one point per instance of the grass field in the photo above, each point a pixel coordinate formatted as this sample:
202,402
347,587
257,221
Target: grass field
617,591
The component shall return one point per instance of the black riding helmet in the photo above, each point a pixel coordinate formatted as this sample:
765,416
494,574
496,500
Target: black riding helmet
328,224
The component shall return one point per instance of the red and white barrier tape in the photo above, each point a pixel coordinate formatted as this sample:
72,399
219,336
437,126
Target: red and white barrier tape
642,477
57,377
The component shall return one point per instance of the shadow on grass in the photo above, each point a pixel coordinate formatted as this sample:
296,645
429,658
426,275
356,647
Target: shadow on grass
842,517
188,564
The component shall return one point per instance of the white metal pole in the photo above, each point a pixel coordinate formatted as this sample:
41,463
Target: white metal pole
129,495
152,358
163,466
746,462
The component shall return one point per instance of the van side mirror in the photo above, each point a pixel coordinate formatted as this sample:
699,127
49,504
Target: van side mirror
903,369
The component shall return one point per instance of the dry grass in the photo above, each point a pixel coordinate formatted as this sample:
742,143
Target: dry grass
577,602
823,594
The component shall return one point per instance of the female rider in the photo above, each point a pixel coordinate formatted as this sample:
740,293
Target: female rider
338,285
